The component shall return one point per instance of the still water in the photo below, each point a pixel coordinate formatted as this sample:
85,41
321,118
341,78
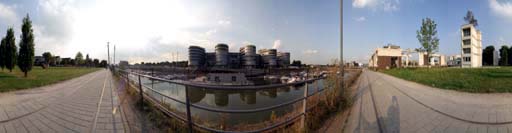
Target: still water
231,99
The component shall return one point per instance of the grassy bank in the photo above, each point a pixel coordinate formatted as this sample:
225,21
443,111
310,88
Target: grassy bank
39,77
478,80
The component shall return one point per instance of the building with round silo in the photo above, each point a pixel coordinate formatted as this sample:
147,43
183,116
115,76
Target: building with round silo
248,56
196,56
283,59
269,57
221,55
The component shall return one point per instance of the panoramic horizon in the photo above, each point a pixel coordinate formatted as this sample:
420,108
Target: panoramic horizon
396,22
157,30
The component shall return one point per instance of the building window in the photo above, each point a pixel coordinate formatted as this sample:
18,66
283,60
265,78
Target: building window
467,59
217,79
466,50
233,78
467,31
467,42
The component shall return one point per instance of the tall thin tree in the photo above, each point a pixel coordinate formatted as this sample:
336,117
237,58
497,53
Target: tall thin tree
2,53
427,36
26,55
10,50
509,55
504,55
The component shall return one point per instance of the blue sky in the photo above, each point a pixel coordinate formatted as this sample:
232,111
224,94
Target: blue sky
368,24
155,30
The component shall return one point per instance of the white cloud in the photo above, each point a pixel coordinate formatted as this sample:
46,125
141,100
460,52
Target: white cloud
310,52
224,22
277,44
361,3
211,32
8,15
360,19
376,5
501,8
388,6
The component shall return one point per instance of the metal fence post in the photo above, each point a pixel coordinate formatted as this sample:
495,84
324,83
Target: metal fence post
141,97
304,108
127,79
189,116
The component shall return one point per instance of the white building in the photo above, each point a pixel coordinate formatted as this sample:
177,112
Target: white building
435,59
471,46
454,60
389,56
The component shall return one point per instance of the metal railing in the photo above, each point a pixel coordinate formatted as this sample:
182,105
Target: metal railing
158,99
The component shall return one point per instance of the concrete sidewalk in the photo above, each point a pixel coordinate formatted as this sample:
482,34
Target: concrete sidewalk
83,104
389,104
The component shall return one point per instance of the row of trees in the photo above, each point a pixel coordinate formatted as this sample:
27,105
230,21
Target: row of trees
24,58
505,56
79,60
88,62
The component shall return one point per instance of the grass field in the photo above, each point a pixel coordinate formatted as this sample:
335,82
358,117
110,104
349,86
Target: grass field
39,77
478,80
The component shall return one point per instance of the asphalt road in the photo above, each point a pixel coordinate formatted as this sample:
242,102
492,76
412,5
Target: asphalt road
84,104
387,104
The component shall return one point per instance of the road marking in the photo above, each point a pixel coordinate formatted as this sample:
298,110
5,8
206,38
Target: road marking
99,104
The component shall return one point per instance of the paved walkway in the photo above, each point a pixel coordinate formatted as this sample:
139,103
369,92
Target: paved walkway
84,104
387,104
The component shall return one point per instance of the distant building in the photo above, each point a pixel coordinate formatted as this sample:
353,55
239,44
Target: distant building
66,61
246,58
124,63
56,60
283,59
454,60
471,46
434,60
269,57
249,56
389,56
39,60
196,56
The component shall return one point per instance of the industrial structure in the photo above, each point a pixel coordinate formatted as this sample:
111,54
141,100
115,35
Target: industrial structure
245,58
471,46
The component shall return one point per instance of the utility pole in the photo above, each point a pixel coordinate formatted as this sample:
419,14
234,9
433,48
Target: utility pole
108,55
114,54
341,49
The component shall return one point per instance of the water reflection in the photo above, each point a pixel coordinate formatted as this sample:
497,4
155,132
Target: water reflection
248,96
233,99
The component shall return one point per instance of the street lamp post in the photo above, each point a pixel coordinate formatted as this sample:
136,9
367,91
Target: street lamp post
342,70
108,55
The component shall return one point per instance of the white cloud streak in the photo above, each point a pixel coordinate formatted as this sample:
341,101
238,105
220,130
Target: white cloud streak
377,5
8,15
501,8
310,52
360,19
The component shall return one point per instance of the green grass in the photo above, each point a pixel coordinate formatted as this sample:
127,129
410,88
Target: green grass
477,80
14,80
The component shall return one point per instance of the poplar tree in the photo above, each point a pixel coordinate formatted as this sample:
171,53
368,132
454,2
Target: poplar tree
26,54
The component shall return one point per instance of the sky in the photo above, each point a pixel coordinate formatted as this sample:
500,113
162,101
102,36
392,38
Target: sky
369,24
162,30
